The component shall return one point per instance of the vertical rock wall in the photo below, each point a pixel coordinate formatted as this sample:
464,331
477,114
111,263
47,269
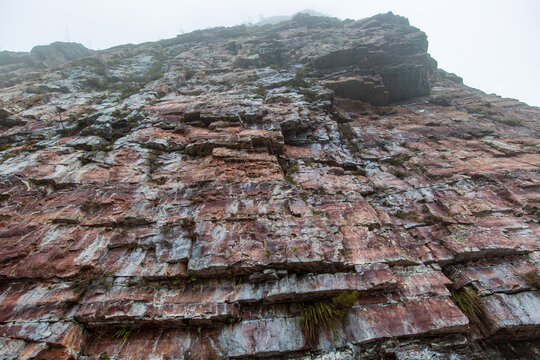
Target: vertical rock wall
190,198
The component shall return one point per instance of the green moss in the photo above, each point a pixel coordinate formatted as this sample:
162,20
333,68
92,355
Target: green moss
152,161
132,246
400,174
349,135
128,89
196,201
396,160
26,148
95,83
404,215
36,90
6,157
325,315
309,162
290,179
317,212
309,95
457,238
105,147
117,113
129,85
292,168
261,91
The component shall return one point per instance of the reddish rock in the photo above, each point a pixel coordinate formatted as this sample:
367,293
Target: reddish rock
514,315
196,213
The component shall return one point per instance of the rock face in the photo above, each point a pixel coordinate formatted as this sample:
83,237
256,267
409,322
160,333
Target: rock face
59,53
193,198
55,54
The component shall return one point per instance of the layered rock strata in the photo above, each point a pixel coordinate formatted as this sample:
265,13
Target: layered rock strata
189,198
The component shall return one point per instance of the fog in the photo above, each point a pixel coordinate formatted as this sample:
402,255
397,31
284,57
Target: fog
492,44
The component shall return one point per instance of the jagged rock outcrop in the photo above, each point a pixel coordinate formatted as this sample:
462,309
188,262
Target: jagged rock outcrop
55,54
193,198
59,53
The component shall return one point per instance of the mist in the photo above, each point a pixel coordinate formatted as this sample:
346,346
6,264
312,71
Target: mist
491,44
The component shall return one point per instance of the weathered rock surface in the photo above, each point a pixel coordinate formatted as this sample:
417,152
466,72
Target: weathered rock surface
54,54
187,199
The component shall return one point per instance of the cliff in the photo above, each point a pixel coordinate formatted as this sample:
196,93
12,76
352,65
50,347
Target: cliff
314,189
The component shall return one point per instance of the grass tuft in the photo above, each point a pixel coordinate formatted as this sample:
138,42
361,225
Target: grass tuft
532,278
325,315
470,303
299,80
122,333
193,236
85,281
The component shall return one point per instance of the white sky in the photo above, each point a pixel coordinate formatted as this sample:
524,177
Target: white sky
493,44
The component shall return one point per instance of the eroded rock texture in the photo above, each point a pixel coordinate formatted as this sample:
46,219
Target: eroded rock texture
186,199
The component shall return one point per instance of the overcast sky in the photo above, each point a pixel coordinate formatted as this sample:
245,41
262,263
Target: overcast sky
493,44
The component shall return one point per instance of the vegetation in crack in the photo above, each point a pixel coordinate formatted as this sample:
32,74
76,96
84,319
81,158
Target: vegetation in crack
325,315
122,333
470,302
127,86
348,135
82,283
532,278
299,80
153,164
